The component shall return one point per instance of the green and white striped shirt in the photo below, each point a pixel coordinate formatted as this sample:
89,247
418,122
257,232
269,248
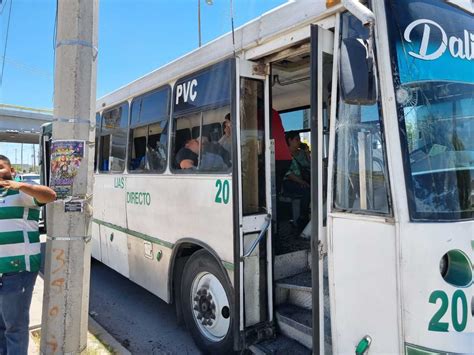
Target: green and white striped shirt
19,232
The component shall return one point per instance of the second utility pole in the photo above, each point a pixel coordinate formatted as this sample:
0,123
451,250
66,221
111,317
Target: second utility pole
67,264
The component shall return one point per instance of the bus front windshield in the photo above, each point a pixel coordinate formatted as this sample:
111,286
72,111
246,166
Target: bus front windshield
433,51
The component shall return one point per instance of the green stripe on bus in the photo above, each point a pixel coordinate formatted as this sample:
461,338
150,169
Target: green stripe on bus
140,235
11,237
11,212
228,266
34,237
12,263
419,350
33,214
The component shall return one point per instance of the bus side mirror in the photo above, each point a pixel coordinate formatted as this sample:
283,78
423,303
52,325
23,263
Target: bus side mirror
357,78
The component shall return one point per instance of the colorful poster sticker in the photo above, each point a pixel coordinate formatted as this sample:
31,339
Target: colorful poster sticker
66,157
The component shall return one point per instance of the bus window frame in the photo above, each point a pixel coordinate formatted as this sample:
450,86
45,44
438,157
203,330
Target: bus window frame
131,126
175,116
110,133
299,108
333,156
205,107
173,153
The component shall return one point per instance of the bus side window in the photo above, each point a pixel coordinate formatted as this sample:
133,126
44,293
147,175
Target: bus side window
197,144
181,137
360,170
213,131
148,146
104,153
113,139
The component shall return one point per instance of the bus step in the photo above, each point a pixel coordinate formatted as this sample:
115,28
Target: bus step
282,345
290,264
296,323
295,290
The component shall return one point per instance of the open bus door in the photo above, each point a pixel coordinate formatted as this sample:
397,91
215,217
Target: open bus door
361,235
322,64
252,216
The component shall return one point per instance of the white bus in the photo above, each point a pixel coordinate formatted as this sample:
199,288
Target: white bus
198,213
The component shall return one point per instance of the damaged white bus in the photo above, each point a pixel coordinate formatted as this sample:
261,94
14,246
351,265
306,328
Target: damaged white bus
385,92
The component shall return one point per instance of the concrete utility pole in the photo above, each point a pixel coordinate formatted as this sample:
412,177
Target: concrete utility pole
67,264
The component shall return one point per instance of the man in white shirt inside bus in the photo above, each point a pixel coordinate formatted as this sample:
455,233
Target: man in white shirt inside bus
213,156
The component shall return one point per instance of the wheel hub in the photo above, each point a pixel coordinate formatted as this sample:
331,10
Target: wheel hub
210,306
205,307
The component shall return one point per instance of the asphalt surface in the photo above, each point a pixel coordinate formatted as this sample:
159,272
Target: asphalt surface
140,321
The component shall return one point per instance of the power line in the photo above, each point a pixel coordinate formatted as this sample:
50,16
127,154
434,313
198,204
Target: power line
4,5
232,25
32,69
6,41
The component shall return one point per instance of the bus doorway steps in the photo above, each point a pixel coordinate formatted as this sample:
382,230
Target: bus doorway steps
297,323
293,300
290,264
282,345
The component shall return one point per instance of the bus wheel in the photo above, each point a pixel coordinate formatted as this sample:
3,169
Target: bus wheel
207,304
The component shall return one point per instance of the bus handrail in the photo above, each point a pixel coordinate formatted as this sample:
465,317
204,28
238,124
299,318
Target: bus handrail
257,241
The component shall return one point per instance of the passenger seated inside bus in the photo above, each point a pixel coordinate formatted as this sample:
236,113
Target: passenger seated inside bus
207,156
226,140
305,148
298,177
288,235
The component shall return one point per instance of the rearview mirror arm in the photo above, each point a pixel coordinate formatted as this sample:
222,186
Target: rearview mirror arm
364,15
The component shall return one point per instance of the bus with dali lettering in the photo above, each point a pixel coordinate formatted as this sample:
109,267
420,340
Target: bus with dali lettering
192,161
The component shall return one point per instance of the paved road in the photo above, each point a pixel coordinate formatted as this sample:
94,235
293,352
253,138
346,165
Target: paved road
140,321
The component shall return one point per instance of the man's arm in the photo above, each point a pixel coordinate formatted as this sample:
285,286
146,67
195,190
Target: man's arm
186,164
42,194
298,180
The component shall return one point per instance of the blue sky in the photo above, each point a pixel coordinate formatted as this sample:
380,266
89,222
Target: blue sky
135,37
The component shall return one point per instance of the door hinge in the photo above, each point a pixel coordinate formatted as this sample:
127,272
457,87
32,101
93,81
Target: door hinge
322,250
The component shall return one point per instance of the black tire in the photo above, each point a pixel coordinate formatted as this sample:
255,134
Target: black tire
199,263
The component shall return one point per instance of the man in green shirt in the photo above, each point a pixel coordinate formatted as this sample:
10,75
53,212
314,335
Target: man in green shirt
297,178
20,255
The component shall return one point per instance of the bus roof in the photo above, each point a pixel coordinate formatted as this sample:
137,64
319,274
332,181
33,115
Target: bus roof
284,19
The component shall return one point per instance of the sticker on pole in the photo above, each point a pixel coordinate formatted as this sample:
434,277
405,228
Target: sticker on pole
74,206
66,157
